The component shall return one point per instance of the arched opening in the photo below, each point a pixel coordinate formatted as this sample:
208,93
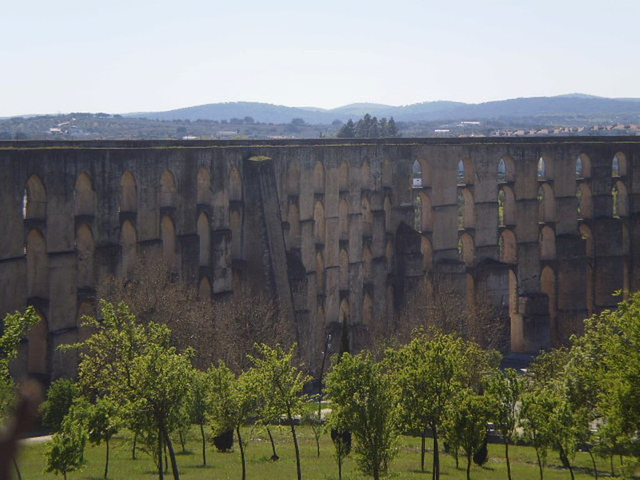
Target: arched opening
204,289
345,310
388,254
293,180
547,243
508,206
427,254
128,248
168,235
84,196
546,204
367,217
620,200
387,173
466,209
583,198
543,171
343,219
37,265
235,185
508,247
344,269
85,249
320,287
461,173
204,194
367,258
619,165
167,190
366,175
417,213
583,167
318,223
589,249
34,200
367,309
416,176
235,225
128,193
548,286
506,169
318,178
501,222
204,236
38,350
343,177
502,171
386,206
466,249
294,225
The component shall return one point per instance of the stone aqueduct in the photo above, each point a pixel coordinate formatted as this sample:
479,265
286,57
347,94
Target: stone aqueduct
546,226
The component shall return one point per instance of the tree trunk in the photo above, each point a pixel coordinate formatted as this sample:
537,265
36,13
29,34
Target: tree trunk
160,456
172,454
506,457
183,441
275,456
204,445
106,462
339,467
17,468
593,461
133,448
613,470
539,463
242,459
436,453
297,448
422,451
468,467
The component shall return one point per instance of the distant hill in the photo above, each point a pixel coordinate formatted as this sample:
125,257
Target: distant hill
563,105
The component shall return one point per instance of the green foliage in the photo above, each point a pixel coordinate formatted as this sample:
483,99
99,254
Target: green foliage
466,423
364,402
136,368
65,452
60,396
231,399
14,327
368,127
279,384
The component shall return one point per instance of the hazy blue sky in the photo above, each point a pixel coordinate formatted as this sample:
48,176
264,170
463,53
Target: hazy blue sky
121,56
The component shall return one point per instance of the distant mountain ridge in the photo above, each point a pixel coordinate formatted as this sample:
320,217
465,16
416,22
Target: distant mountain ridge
562,105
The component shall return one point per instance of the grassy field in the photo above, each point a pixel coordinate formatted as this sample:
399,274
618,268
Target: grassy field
406,464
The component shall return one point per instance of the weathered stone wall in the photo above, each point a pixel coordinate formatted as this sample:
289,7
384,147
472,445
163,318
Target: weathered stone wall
545,226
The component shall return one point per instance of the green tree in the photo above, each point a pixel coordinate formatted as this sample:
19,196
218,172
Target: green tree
232,399
102,424
466,423
534,417
65,451
504,390
14,327
280,384
200,406
427,372
348,130
392,129
60,396
137,368
364,402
